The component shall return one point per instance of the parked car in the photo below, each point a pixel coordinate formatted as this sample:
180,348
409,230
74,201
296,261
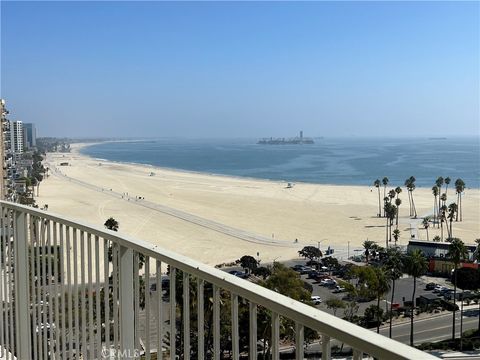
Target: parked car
339,289
239,274
302,269
328,282
317,300
430,286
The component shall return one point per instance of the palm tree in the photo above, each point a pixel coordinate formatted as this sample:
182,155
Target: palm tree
396,236
382,286
111,224
407,185
447,182
452,210
376,183
436,238
443,211
443,198
439,183
394,269
398,202
426,224
390,212
435,192
368,246
398,190
459,188
385,183
456,252
410,184
415,266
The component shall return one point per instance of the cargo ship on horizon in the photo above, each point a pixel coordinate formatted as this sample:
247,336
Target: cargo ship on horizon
298,140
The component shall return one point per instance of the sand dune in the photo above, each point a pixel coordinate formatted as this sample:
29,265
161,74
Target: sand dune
216,219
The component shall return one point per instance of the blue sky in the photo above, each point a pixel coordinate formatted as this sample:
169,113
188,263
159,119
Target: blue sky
218,69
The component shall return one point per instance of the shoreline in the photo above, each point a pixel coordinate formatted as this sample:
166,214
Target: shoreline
339,216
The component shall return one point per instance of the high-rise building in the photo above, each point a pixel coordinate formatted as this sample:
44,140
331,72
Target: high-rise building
3,114
29,136
16,134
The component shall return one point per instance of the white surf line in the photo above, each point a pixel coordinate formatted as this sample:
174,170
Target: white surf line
182,215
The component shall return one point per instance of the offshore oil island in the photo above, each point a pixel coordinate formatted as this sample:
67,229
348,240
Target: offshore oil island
298,140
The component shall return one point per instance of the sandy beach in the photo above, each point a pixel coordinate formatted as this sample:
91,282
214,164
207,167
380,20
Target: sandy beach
216,219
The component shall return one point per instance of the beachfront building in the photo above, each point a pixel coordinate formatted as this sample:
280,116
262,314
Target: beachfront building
99,299
3,119
16,137
29,136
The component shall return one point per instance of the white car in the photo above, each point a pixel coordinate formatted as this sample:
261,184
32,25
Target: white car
317,300
328,282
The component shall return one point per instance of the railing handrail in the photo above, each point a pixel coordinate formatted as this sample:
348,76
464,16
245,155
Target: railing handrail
355,336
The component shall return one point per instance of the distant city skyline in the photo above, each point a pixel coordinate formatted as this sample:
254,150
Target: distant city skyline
222,69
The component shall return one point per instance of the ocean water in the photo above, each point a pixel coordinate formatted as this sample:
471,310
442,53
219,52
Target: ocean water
329,161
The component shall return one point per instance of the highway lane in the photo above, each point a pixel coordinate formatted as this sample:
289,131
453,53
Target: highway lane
435,328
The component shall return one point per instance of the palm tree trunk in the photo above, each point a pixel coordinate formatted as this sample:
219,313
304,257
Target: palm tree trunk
379,204
391,308
454,302
414,209
461,212
384,194
441,232
378,314
458,204
451,231
396,222
461,323
427,233
411,315
386,234
410,202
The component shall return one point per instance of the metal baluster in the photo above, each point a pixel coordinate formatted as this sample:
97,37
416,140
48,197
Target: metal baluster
299,338
136,286
116,323
55,276
235,336
357,354
22,291
106,292
326,351
173,313
98,347
275,336
39,287
83,306
63,312
216,322
69,307
44,307
33,292
159,310
201,318
11,283
253,330
91,326
186,316
49,273
147,308
5,281
75,293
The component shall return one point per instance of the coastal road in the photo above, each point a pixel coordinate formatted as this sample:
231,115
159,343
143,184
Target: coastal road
179,214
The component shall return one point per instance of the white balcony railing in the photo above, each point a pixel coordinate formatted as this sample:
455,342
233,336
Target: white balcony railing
73,291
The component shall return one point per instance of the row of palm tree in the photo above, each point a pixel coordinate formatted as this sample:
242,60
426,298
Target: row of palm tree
415,264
